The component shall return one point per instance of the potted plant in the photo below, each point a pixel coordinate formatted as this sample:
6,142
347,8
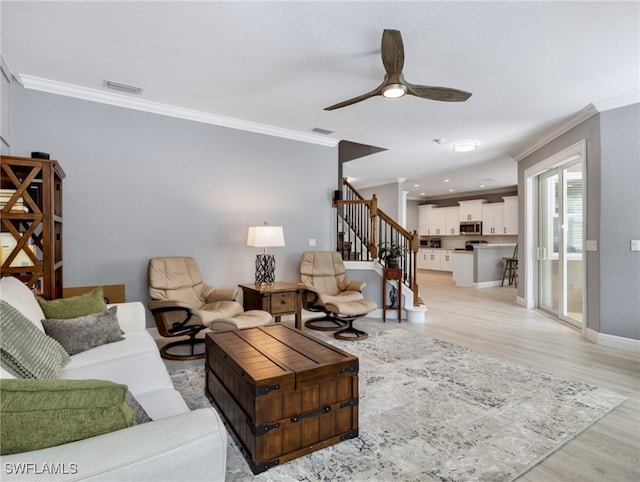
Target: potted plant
391,253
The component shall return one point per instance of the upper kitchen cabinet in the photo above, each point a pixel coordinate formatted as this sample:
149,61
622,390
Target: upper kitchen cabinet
438,222
424,220
452,221
493,219
471,210
433,221
511,215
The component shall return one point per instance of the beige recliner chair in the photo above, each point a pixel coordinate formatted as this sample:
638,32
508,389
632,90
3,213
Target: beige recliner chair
329,290
183,304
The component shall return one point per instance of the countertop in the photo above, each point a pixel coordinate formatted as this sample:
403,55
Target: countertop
476,246
502,245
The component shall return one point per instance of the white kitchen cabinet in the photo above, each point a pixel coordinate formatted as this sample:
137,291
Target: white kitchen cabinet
432,260
452,222
438,224
422,259
435,259
510,215
493,219
446,260
471,210
434,221
425,224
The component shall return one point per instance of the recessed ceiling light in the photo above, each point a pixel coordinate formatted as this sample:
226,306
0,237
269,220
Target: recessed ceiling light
447,180
423,194
464,146
416,185
482,185
451,190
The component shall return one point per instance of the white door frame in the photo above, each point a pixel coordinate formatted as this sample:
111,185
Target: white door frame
571,153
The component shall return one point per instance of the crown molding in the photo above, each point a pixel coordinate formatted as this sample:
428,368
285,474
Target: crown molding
127,102
616,102
574,120
578,118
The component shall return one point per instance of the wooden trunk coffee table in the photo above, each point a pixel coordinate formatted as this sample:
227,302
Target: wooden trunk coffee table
282,393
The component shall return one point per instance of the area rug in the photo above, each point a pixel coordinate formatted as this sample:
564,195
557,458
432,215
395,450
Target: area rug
434,411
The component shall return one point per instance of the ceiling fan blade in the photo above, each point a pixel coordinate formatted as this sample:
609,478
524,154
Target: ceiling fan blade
360,98
443,94
392,53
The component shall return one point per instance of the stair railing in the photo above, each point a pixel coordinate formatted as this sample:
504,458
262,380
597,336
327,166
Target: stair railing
363,229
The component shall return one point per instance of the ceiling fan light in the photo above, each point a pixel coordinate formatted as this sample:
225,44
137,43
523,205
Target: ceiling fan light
394,91
464,146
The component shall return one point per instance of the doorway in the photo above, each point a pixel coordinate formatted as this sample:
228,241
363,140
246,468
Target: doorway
560,249
555,270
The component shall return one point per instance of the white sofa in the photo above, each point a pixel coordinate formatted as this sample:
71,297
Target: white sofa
178,445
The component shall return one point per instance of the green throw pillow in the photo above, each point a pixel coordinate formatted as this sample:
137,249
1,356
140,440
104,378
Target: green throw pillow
42,413
81,305
25,351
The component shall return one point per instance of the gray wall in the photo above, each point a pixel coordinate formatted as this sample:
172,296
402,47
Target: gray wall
620,222
413,218
387,195
140,185
613,173
6,82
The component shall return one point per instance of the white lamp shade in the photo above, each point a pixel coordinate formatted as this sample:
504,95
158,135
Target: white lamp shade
265,236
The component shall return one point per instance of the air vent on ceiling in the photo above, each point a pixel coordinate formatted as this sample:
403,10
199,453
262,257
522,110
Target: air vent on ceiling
319,130
122,87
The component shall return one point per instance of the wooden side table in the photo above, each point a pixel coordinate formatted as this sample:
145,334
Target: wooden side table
392,274
279,299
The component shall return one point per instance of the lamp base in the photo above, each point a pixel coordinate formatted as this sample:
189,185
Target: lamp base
265,269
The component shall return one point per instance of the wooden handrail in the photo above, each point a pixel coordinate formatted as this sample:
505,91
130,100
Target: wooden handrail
346,182
381,223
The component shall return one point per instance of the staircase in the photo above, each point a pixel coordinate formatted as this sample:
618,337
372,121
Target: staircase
363,230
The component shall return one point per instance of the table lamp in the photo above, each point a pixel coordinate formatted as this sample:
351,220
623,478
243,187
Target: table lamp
265,236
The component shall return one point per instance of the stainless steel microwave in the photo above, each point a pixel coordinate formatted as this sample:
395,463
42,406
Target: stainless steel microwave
471,228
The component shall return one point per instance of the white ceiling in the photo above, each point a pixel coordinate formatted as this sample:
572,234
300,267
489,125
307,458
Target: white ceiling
530,66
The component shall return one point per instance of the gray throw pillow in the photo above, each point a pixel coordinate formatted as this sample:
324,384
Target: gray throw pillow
25,351
141,415
85,332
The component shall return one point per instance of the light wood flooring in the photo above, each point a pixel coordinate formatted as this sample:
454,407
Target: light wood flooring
491,322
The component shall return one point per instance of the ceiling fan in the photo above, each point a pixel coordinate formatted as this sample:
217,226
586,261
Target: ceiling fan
394,85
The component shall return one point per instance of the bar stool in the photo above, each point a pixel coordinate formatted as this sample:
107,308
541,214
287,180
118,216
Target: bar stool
511,269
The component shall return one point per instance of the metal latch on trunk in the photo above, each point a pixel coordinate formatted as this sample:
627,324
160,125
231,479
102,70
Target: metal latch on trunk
263,390
262,429
353,368
349,403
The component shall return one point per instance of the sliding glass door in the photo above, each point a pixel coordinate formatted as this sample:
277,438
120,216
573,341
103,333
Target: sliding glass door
559,252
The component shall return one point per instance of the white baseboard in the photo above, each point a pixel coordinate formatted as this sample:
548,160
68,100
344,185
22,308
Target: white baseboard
524,302
487,284
612,341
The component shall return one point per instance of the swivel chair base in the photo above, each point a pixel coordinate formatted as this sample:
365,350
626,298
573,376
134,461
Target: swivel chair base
194,355
326,323
192,341
350,333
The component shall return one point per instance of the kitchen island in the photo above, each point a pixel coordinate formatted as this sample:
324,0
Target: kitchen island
482,267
